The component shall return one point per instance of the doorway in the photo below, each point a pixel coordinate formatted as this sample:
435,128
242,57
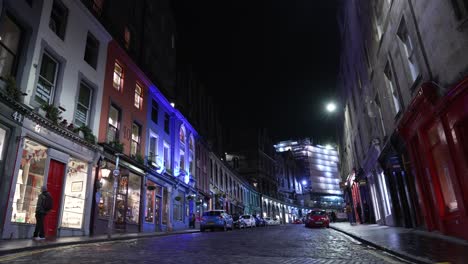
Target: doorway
54,186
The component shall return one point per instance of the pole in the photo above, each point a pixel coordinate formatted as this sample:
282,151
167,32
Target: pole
116,173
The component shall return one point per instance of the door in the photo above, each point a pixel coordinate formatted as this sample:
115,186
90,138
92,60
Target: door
54,186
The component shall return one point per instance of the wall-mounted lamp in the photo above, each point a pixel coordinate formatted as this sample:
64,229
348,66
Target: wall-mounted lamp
105,171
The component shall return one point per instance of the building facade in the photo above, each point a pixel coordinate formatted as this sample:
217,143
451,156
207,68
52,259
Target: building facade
402,69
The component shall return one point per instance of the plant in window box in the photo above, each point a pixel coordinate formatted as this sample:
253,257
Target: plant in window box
64,123
178,198
117,146
88,134
12,90
151,187
190,197
139,158
52,112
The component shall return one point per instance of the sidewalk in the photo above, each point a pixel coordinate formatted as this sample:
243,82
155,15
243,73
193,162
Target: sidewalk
410,244
21,245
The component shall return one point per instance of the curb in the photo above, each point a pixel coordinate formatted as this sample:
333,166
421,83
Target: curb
90,241
404,256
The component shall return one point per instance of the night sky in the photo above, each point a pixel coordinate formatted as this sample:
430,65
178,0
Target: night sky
269,64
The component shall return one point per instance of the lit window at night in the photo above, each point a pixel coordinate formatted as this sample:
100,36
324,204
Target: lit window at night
118,77
138,97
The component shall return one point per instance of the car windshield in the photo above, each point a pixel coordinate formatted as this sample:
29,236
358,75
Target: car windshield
212,213
318,213
267,218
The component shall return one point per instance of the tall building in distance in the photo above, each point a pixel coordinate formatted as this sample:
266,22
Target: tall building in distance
320,177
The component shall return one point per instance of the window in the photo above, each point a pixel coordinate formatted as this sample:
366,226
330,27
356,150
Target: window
138,96
127,37
10,36
113,124
392,88
58,19
135,145
167,156
133,199
91,50
182,160
182,134
75,194
166,123
153,148
408,48
118,77
83,105
165,206
461,8
47,79
150,202
154,111
30,179
191,144
178,208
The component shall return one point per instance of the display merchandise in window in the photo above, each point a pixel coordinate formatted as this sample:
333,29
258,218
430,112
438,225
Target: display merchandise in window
74,194
29,181
133,199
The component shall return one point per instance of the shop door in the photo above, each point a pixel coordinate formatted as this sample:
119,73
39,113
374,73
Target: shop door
54,186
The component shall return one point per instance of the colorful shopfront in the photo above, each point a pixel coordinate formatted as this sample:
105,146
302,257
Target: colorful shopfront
46,158
435,130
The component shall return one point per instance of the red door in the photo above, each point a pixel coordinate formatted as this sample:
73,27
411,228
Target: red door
54,186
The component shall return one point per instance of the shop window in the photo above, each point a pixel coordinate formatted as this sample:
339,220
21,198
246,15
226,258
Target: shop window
29,181
118,78
107,193
91,50
165,214
113,124
10,36
58,19
150,201
46,83
83,105
138,96
178,208
75,194
133,199
135,144
154,111
442,166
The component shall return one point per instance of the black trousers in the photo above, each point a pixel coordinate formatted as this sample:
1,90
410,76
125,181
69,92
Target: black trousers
39,230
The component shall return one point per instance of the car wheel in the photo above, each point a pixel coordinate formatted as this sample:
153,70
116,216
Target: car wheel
225,227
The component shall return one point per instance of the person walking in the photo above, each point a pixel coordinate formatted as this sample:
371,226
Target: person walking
44,204
333,216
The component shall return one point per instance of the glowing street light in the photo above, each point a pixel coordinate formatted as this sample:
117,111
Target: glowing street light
331,107
304,182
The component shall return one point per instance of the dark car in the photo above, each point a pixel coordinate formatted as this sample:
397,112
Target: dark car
317,218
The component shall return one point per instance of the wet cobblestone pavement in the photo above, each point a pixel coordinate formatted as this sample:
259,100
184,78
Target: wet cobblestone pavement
279,244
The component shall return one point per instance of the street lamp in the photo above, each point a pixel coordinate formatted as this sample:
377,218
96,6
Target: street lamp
331,107
116,173
304,182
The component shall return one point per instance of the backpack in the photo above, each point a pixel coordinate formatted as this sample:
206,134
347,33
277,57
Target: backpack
47,202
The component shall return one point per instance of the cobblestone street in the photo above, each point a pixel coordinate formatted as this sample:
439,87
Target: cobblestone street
279,244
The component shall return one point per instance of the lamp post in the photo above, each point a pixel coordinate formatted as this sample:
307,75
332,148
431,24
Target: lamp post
116,173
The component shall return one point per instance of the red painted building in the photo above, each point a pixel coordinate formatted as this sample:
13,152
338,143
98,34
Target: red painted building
436,132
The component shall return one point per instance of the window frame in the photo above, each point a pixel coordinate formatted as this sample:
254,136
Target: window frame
91,39
117,129
14,64
89,107
138,101
154,109
135,142
61,31
121,76
40,77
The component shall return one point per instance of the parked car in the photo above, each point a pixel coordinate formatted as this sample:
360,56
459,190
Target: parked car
248,220
237,222
272,221
259,221
317,218
216,219
298,221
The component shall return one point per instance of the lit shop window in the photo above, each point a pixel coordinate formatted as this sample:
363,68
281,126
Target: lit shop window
29,182
75,194
150,201
133,199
